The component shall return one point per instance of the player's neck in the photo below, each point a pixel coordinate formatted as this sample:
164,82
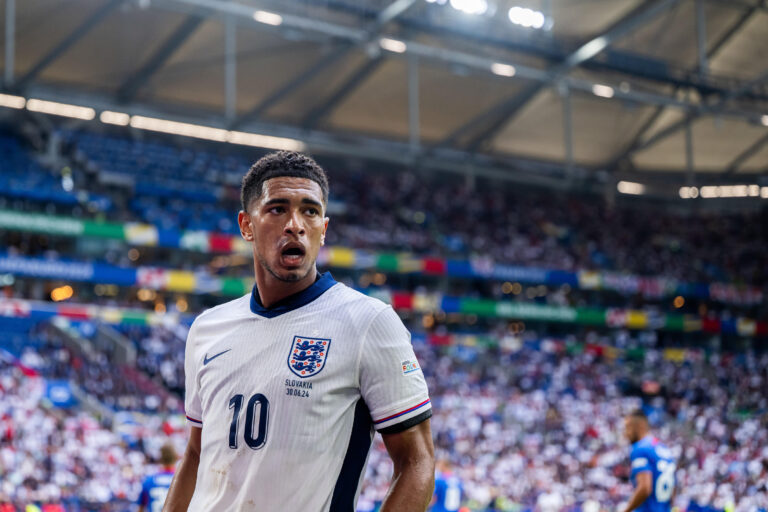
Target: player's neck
272,290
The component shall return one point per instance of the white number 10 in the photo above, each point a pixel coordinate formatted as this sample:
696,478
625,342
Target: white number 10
665,483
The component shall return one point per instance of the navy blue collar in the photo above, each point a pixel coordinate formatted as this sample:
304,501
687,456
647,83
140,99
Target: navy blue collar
295,301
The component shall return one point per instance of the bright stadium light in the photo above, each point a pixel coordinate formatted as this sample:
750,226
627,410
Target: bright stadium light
10,101
478,7
764,192
689,192
604,91
392,45
630,187
118,118
497,68
527,18
60,109
268,18
728,191
266,141
176,128
764,120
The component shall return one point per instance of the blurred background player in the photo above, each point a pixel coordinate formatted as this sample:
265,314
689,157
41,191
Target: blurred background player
155,486
652,470
449,490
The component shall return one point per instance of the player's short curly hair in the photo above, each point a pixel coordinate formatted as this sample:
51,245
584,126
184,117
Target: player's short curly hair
281,163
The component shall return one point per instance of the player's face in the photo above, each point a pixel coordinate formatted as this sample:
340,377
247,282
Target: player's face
630,429
287,227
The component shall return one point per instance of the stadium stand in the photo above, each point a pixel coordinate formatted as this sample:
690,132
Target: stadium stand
527,411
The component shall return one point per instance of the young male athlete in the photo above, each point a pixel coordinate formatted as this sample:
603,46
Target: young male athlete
653,468
155,487
284,386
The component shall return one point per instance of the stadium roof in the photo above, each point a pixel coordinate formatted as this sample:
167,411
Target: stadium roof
656,89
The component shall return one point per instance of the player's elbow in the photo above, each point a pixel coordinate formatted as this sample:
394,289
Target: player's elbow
419,463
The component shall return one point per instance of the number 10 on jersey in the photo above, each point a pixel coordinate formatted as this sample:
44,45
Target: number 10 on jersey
255,436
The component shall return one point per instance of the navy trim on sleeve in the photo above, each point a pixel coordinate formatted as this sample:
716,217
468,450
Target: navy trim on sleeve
410,422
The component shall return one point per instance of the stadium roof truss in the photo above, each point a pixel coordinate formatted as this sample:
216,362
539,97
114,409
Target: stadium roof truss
649,90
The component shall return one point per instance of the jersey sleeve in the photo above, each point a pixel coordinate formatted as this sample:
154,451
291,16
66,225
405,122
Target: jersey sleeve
391,381
192,406
640,461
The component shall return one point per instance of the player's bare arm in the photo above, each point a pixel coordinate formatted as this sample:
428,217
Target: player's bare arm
183,485
413,480
642,491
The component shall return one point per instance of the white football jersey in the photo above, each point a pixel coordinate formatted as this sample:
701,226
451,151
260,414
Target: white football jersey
288,397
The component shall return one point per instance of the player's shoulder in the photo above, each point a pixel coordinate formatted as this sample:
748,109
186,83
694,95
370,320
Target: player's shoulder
342,297
228,311
348,306
640,449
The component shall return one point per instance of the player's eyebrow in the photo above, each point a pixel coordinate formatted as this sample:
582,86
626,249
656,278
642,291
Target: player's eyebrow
307,200
277,200
282,200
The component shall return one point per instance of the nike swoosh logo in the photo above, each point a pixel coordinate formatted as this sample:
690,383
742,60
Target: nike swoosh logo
207,359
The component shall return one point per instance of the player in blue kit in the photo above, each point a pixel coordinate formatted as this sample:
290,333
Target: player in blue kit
155,487
448,489
653,469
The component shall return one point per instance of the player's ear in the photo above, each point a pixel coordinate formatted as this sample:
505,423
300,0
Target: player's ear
325,228
246,229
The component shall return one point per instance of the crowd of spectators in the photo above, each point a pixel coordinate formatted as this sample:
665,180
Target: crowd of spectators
525,427
534,426
115,386
67,459
542,429
402,210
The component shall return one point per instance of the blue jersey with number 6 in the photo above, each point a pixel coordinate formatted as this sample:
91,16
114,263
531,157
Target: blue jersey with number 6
649,454
154,491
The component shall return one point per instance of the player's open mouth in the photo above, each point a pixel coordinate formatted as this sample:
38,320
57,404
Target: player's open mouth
292,254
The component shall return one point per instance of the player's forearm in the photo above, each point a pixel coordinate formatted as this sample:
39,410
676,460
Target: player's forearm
412,487
638,497
183,484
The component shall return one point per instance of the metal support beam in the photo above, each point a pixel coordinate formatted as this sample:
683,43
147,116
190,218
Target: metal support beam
505,111
501,114
10,41
424,51
745,155
133,84
230,68
636,139
701,36
741,4
413,102
711,53
703,109
336,97
565,94
61,47
690,176
734,29
389,13
292,85
392,11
